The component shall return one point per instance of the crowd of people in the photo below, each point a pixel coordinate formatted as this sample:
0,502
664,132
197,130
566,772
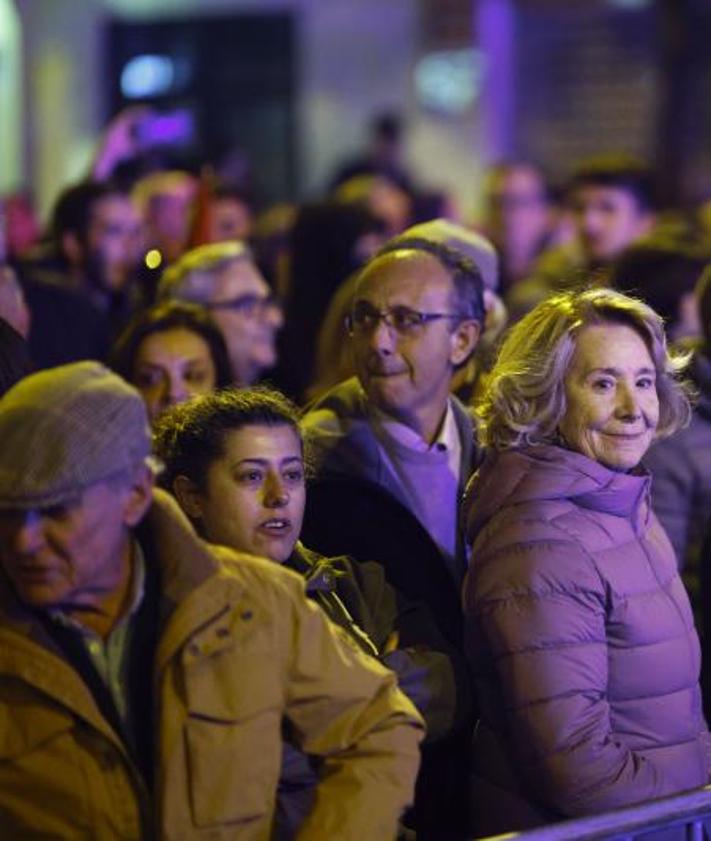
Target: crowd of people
350,520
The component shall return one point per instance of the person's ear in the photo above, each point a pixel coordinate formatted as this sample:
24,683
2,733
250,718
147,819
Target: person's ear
139,497
189,499
463,340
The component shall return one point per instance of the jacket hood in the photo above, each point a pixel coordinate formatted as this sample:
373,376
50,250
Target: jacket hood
551,473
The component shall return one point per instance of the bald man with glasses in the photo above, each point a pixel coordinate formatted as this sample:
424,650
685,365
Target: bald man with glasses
392,449
224,279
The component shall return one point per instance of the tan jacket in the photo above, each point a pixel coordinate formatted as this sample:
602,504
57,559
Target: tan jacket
241,650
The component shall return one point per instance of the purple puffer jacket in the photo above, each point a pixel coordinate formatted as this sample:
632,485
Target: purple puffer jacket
582,641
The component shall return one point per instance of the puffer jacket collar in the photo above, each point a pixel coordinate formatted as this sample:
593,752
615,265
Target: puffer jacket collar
547,472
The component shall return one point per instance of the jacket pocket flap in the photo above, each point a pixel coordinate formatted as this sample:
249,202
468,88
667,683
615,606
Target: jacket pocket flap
234,687
25,727
221,791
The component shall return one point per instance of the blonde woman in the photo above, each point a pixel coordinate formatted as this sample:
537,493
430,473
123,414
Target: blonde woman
578,626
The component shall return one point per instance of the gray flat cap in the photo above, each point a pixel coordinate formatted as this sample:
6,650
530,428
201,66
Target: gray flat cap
469,243
66,428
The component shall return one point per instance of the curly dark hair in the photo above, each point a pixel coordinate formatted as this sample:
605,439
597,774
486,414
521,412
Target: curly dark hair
189,437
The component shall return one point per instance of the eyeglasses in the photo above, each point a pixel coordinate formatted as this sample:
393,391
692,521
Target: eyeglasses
364,318
250,305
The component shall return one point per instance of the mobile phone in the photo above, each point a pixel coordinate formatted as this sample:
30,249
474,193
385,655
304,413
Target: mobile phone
171,128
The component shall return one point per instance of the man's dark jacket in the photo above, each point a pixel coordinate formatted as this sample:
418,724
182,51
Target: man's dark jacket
356,507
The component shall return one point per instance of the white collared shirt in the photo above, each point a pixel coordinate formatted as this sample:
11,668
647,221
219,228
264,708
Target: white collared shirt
427,473
447,438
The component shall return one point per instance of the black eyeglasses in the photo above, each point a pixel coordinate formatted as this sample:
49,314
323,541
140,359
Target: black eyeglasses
250,305
364,318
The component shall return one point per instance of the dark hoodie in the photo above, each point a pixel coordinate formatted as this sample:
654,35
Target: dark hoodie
582,641
681,475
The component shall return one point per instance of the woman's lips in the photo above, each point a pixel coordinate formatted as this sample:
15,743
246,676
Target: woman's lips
276,527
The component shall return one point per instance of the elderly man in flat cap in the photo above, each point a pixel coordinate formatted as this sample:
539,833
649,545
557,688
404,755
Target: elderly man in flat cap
146,677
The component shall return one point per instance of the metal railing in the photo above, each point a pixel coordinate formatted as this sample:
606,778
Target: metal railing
685,812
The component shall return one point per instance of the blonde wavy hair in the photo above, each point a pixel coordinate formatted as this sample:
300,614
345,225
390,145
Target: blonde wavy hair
525,398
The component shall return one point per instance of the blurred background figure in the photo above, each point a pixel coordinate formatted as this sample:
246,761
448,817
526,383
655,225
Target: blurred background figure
94,248
384,154
22,229
519,216
13,305
664,272
80,281
221,212
271,244
681,465
230,215
224,279
172,352
382,196
613,201
328,242
165,200
15,362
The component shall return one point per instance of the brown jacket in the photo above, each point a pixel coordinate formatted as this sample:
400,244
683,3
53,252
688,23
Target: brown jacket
240,652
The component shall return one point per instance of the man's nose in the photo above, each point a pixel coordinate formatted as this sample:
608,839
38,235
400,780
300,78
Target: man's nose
382,336
27,535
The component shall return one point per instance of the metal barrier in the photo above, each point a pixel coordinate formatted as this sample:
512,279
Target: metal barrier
684,813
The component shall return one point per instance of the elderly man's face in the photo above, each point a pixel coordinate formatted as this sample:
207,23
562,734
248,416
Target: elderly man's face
611,395
406,371
249,318
74,555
